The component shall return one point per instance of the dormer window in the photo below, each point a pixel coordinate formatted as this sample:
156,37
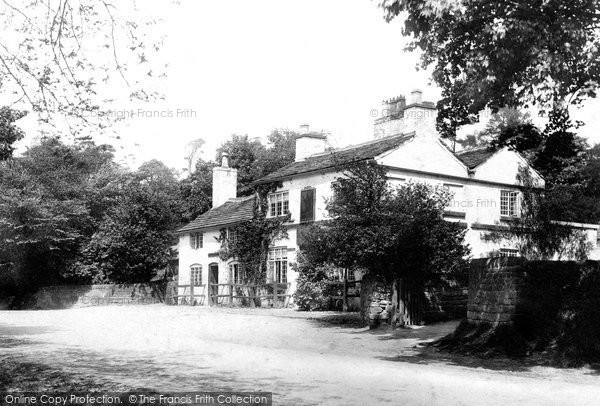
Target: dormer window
279,204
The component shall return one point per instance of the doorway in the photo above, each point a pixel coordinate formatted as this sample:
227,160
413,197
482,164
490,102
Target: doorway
213,281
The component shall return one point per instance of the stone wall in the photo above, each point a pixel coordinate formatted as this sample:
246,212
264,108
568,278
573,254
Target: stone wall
438,304
62,297
445,304
493,290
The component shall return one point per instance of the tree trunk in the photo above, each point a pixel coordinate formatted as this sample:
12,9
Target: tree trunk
395,296
367,284
401,303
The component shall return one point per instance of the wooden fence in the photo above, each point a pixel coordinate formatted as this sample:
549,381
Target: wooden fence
231,294
410,308
343,290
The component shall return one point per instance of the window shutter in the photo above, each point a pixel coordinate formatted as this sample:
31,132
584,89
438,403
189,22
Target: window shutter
307,205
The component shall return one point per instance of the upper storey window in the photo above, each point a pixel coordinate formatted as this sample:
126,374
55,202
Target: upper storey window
509,203
307,205
279,204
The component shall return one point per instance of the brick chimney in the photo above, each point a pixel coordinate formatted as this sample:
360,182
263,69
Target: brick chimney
399,117
309,143
224,182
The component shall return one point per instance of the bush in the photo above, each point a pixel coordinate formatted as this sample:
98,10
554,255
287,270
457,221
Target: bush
311,295
314,290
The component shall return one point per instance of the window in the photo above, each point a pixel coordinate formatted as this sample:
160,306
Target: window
509,252
196,275
232,235
278,264
197,240
279,204
236,273
350,275
509,203
307,205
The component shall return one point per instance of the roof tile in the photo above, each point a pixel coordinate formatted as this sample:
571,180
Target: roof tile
475,157
230,212
327,160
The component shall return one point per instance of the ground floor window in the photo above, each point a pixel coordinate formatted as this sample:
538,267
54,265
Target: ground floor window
278,264
236,272
509,252
196,275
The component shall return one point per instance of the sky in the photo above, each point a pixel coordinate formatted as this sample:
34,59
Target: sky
241,67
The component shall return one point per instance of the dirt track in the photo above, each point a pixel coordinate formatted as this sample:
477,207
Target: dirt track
303,358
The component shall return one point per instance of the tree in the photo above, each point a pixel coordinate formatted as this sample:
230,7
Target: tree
9,132
134,239
281,150
393,234
556,151
247,157
46,213
55,56
494,54
192,149
537,231
253,160
196,191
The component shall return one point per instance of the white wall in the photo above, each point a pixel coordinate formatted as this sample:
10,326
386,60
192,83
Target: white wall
503,167
189,256
438,158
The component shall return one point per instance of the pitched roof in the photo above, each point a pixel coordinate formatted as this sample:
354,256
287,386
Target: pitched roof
230,212
475,157
331,159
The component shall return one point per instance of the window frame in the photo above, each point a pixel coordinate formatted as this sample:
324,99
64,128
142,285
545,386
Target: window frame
197,240
313,202
273,209
236,273
278,265
509,203
509,252
196,269
232,234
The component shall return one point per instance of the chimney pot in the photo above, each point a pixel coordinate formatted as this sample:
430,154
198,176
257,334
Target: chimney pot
225,160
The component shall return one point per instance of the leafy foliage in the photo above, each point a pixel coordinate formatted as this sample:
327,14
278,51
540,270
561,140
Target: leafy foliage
134,238
537,232
390,233
196,191
9,132
253,160
313,292
503,53
55,55
70,214
254,237
45,211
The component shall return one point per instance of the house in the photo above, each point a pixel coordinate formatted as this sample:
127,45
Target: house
484,185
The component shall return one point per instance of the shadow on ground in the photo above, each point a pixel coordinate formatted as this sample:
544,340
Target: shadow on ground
37,368
419,345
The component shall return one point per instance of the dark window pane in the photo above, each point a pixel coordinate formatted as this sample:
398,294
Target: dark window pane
307,205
